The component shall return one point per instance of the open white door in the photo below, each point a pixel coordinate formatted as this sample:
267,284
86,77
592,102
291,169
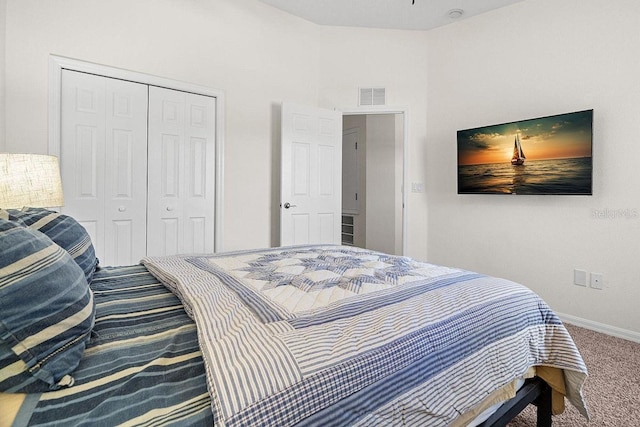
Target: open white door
311,175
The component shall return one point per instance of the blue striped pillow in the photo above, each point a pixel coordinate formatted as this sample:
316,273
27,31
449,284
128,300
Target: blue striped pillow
46,312
64,231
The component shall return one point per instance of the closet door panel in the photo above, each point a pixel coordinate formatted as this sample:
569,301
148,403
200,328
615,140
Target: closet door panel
165,227
199,168
83,142
169,236
126,172
103,162
181,172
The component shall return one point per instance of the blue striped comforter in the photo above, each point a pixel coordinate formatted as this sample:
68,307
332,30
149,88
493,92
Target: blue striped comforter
334,336
142,365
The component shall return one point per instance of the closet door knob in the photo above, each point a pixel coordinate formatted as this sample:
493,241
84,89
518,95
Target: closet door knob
169,208
122,209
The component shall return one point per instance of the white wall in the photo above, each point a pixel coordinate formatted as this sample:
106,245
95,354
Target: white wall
536,58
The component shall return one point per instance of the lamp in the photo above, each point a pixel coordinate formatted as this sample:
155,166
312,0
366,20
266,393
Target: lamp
31,180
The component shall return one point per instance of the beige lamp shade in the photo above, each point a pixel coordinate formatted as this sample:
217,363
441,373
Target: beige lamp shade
31,180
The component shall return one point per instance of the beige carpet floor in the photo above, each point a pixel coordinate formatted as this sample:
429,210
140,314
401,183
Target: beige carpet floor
612,390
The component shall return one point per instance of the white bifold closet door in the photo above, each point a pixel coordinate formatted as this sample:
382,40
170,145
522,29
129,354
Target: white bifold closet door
137,165
181,172
103,162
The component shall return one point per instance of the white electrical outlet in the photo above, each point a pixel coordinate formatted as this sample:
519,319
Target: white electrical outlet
596,280
580,277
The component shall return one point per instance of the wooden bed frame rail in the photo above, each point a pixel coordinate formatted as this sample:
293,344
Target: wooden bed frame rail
534,391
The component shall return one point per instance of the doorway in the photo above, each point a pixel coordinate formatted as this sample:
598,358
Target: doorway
373,203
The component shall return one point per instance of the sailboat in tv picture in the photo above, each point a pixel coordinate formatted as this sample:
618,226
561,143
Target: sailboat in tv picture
518,155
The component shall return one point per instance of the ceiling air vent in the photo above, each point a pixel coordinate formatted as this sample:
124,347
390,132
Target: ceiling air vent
372,96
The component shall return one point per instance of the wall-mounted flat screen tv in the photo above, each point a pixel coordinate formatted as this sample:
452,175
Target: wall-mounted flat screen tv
546,155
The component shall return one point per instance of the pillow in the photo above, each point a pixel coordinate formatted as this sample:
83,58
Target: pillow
64,231
46,312
5,215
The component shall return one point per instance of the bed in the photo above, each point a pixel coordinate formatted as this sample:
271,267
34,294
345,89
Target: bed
306,335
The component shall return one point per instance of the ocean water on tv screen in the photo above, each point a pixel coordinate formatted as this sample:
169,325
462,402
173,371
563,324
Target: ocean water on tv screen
554,176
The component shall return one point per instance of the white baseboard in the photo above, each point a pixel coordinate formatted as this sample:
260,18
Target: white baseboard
600,327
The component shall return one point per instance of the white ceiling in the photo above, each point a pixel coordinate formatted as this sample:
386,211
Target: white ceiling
396,14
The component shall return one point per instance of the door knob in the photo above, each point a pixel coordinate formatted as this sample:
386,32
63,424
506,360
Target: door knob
122,209
288,205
